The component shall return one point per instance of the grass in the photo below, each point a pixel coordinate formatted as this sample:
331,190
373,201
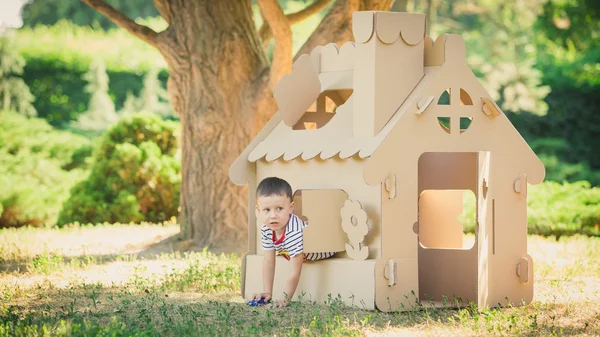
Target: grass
126,280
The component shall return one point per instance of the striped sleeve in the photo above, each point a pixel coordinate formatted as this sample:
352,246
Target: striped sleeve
267,238
294,237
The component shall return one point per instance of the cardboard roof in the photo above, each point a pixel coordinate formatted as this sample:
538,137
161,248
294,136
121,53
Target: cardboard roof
331,68
494,132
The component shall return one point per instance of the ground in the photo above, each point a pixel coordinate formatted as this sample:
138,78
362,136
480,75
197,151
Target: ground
140,280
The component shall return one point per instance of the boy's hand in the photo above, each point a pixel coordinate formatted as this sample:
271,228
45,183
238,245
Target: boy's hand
267,297
279,303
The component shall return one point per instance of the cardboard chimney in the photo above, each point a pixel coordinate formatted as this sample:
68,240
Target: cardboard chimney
380,138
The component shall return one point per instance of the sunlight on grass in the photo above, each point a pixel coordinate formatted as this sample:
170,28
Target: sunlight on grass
149,287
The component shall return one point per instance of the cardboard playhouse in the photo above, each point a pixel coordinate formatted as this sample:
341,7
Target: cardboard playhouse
380,138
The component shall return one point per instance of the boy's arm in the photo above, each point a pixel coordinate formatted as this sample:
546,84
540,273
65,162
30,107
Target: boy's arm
268,271
292,281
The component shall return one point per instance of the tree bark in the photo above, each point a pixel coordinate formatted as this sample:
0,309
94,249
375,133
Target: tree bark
220,84
266,33
216,62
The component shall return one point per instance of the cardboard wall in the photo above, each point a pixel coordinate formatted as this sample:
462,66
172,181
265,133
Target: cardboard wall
510,234
352,280
443,271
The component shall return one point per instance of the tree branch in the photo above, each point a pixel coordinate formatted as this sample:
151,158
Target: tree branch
266,33
142,32
282,32
164,9
336,26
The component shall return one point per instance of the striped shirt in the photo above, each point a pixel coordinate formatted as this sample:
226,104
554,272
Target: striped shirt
291,242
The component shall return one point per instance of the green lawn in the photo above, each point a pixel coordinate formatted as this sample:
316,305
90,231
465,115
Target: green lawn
126,280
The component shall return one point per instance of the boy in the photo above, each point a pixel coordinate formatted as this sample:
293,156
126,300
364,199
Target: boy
282,234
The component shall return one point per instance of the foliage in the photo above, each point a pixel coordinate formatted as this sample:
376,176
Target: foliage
101,110
500,50
59,89
77,47
44,12
14,93
564,209
38,166
55,68
553,209
521,49
574,120
153,98
134,177
572,24
549,150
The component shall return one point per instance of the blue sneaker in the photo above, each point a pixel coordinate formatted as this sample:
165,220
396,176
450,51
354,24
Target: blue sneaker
255,303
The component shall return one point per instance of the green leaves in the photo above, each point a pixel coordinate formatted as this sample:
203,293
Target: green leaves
501,50
135,175
37,169
564,209
14,93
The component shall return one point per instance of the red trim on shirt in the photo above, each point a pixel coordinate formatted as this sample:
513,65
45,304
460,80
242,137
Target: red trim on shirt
278,242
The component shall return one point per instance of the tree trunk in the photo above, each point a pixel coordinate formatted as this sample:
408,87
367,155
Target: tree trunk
216,62
219,84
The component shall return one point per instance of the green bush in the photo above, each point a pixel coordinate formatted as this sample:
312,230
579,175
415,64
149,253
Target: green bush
564,209
134,177
571,118
560,171
76,45
59,87
54,69
38,167
36,12
553,209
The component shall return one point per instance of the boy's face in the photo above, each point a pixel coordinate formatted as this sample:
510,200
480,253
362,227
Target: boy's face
274,211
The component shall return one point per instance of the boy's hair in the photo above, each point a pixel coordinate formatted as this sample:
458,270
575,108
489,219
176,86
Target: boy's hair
274,186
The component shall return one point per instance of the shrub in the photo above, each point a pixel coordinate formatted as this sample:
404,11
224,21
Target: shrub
564,209
58,86
134,177
14,93
37,169
554,209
